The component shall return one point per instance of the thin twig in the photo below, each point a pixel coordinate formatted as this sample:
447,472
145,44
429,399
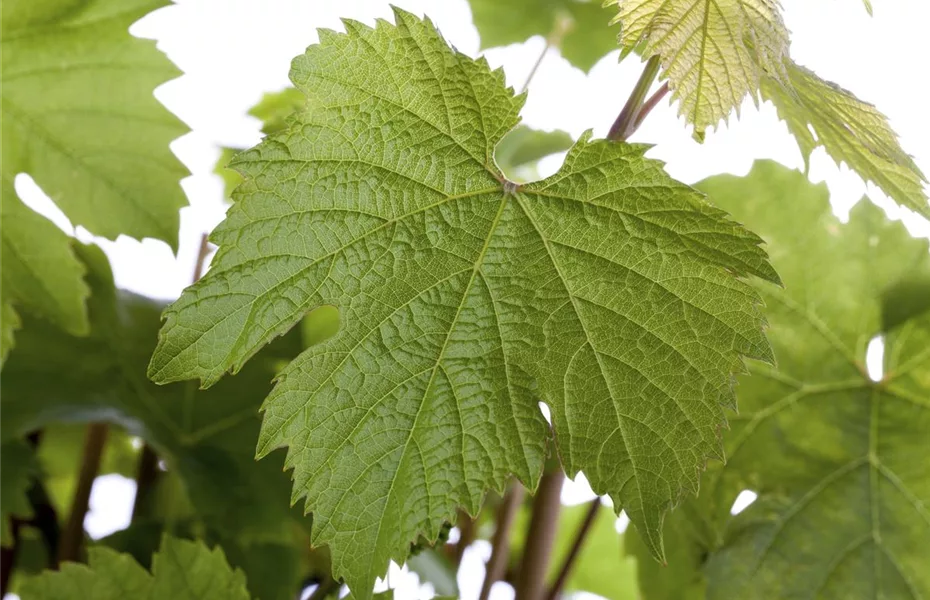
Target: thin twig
560,27
500,543
535,68
202,253
580,537
531,581
146,476
623,125
466,537
72,537
647,107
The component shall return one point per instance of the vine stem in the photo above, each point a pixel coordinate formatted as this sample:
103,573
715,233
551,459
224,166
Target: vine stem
580,537
467,536
531,580
562,25
500,542
626,122
72,536
147,471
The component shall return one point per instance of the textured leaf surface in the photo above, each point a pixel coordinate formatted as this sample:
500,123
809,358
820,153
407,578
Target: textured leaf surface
464,301
182,570
579,28
206,437
843,495
820,113
714,52
40,271
80,117
17,468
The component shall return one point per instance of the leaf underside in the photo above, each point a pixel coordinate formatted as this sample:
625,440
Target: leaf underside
464,300
715,53
579,28
835,457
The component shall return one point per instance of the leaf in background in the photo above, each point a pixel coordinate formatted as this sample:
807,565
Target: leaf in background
579,28
464,299
181,570
843,495
79,115
208,438
9,323
39,270
17,468
820,113
601,568
272,110
519,152
433,567
714,54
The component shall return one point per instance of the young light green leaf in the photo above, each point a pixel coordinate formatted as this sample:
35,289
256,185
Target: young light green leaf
181,570
465,299
79,115
842,508
581,29
9,323
39,270
820,113
17,468
713,53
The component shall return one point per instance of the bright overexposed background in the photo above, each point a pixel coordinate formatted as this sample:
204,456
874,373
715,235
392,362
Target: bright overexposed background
233,51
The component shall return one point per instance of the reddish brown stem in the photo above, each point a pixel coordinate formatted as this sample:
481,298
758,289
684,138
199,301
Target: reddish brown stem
500,543
580,537
531,581
72,537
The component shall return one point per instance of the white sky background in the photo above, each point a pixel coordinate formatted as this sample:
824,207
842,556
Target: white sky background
233,51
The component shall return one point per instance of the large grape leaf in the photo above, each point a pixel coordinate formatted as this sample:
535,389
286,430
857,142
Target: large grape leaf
17,468
465,299
835,457
206,437
714,52
79,116
820,113
579,28
181,570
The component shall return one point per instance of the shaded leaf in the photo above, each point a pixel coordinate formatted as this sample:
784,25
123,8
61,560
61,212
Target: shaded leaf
579,28
842,507
522,148
464,301
17,467
181,570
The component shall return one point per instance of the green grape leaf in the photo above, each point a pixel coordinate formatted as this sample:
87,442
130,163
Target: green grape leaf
79,115
9,323
714,54
206,437
601,553
465,300
820,113
842,508
181,570
17,467
579,28
39,270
